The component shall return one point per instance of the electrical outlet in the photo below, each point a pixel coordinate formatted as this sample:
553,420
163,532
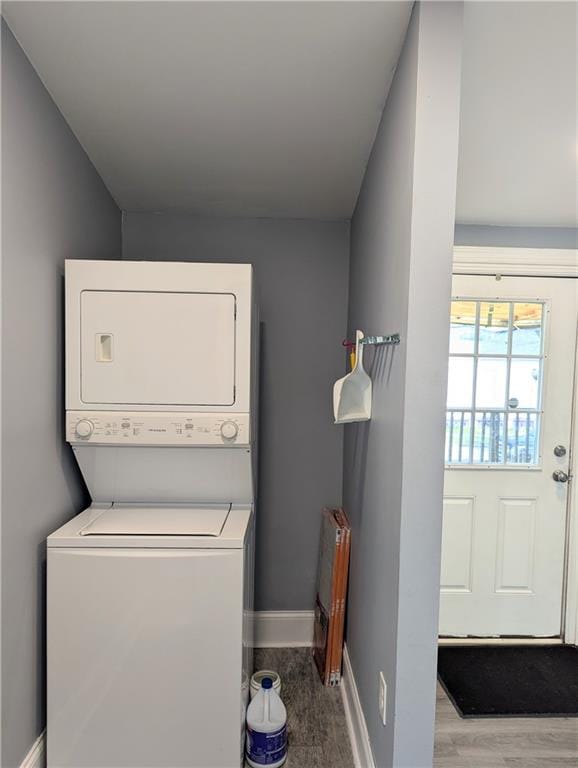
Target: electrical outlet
382,698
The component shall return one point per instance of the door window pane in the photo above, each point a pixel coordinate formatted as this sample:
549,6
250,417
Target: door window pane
522,438
463,326
460,382
524,383
491,382
489,437
494,328
527,329
458,437
496,368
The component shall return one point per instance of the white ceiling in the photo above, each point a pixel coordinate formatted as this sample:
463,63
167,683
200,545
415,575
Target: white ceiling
270,109
518,143
263,109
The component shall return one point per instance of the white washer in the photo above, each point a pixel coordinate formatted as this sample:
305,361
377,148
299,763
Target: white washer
150,590
149,629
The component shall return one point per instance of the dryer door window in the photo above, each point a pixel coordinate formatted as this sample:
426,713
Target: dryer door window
148,348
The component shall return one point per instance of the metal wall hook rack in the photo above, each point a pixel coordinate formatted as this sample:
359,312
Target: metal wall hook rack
377,341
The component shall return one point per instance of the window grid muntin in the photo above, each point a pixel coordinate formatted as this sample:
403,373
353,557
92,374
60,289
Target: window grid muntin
506,412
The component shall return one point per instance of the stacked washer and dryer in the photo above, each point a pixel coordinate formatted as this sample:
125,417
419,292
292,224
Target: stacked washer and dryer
150,589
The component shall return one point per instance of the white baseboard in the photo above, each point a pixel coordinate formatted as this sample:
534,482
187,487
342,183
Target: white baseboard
500,641
36,757
358,735
284,629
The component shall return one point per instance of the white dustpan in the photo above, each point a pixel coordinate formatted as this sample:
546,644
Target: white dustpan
352,393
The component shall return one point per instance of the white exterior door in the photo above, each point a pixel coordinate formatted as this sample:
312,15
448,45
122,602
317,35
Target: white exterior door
508,430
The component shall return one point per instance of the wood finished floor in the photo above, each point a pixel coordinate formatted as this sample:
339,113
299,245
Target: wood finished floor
315,718
318,732
506,742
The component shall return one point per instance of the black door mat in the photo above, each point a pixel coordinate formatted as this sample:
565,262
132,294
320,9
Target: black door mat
511,680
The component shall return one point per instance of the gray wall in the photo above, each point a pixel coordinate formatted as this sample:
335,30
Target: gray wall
516,237
301,269
54,206
400,277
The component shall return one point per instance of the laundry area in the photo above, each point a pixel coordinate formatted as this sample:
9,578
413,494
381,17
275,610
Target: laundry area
227,247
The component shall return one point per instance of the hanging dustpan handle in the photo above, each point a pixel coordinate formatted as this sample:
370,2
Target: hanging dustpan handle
358,351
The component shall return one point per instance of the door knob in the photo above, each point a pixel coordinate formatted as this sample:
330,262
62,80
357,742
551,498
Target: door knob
559,476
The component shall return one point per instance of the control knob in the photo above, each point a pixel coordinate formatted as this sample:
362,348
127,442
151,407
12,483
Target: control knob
229,430
84,428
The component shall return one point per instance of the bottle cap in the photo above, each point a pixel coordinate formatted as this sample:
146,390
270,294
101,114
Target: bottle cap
266,683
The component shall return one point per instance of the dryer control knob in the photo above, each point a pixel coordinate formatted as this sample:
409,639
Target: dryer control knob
84,428
229,430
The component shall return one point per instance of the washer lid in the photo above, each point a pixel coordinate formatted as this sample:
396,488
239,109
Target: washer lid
159,521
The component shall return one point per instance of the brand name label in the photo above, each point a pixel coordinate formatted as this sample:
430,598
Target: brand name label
266,748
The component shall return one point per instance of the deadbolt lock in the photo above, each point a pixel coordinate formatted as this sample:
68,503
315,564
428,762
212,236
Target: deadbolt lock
559,450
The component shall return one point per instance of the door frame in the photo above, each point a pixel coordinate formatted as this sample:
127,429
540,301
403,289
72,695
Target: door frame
540,262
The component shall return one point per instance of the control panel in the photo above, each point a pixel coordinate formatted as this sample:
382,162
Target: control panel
145,428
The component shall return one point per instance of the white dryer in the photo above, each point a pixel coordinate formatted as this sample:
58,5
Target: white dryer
150,590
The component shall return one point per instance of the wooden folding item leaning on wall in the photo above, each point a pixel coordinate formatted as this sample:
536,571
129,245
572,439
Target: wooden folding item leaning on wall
332,572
